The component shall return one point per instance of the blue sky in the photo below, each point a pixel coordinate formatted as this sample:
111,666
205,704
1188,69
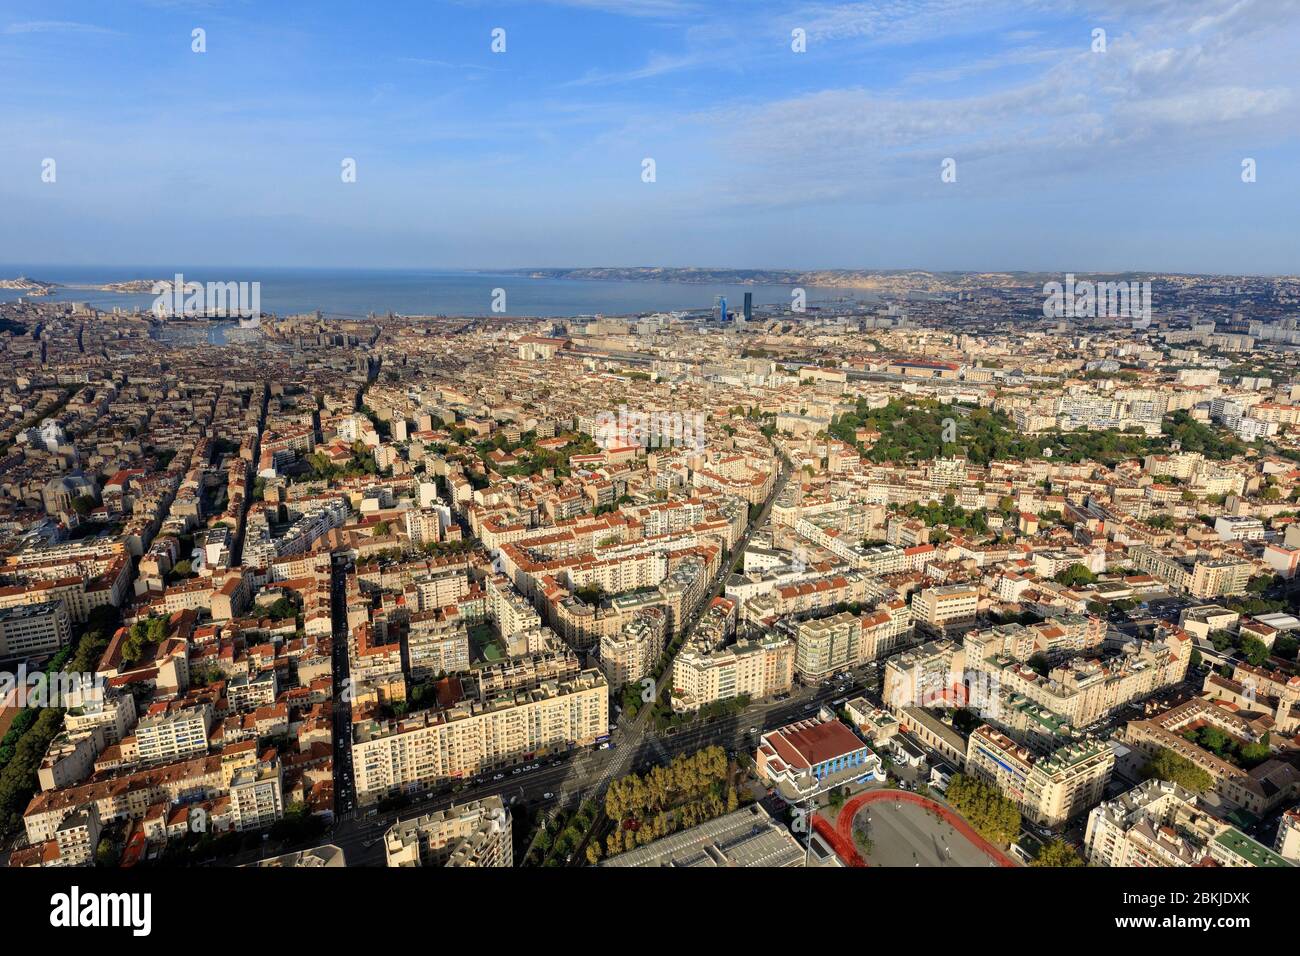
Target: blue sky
1066,159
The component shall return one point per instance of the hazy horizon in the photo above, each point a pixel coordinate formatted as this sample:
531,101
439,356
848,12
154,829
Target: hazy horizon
166,271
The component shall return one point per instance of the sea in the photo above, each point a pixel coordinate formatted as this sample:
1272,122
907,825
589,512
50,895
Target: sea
355,293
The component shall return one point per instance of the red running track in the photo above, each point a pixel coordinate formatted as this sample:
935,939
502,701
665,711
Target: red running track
840,835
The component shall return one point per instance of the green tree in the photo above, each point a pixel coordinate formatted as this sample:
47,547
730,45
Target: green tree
105,855
1056,853
1254,754
1254,650
984,806
1167,765
1075,575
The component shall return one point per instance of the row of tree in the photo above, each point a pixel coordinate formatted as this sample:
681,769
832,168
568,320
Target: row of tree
994,816
634,833
31,731
687,777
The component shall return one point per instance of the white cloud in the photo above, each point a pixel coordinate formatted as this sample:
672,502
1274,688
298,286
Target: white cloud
657,65
56,26
1162,89
633,8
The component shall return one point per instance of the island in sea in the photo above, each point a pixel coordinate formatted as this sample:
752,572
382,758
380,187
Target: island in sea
35,287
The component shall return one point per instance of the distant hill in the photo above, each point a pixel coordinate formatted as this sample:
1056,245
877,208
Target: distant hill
28,286
870,280
35,287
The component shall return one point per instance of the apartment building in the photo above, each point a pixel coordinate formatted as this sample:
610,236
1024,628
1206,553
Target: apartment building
440,588
1258,790
395,756
1287,842
1158,823
1238,528
69,759
1201,577
946,611
128,795
1081,690
508,609
476,834
630,654
932,674
257,795
1048,790
886,629
436,644
1219,578
1060,637
173,733
423,525
78,837
81,595
758,667
826,646
30,629
817,595
110,711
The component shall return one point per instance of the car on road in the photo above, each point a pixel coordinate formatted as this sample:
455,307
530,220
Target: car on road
498,776
605,745
547,795
753,730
